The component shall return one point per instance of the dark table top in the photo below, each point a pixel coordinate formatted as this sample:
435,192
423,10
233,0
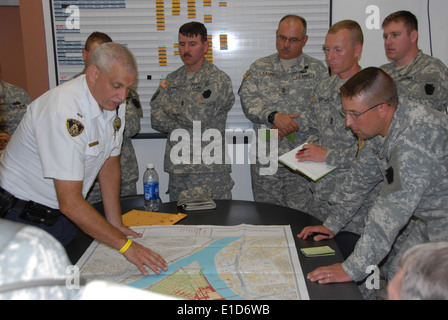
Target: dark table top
235,212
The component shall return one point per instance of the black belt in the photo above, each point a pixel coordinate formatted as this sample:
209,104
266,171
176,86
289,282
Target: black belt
30,211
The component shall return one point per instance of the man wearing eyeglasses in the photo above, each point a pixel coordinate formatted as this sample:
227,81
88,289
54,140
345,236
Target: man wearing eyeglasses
333,142
405,152
419,77
274,90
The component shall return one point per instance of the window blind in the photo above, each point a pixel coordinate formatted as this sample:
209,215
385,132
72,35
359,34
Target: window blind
241,31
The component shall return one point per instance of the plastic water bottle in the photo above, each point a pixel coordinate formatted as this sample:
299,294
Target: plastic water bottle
151,188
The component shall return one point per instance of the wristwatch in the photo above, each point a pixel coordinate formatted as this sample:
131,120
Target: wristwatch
271,117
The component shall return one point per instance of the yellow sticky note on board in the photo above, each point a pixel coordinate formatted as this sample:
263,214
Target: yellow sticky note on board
136,218
317,251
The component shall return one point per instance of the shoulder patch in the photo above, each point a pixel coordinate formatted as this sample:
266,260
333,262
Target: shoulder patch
164,84
74,127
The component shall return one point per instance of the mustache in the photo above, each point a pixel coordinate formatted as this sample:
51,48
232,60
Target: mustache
186,55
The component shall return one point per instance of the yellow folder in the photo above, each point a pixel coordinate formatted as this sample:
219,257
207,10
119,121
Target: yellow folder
136,218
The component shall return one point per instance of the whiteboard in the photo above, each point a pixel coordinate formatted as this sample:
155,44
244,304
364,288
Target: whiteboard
241,31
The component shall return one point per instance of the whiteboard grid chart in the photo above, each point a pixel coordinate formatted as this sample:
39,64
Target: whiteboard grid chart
241,31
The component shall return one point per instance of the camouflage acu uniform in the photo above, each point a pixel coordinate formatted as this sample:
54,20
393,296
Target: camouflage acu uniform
423,80
13,104
205,99
268,87
410,166
324,114
128,158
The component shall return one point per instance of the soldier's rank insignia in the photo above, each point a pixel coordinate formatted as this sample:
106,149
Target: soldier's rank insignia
74,127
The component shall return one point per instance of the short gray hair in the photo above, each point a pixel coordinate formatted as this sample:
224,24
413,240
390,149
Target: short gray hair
111,52
425,269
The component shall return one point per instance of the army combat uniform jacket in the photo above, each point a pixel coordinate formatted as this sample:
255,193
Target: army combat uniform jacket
410,163
206,100
324,115
423,80
267,87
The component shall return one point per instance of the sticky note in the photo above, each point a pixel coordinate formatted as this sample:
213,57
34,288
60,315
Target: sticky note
162,57
317,251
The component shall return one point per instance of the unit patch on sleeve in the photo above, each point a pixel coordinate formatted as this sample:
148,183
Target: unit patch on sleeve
164,84
74,127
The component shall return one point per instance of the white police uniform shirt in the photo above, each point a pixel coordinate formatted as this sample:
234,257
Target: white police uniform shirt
64,136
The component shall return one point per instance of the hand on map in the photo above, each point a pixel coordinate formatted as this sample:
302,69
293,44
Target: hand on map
319,233
142,256
128,231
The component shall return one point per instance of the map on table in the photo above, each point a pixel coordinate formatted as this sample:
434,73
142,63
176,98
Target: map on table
208,263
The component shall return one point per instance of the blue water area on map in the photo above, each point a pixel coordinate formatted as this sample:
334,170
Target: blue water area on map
206,259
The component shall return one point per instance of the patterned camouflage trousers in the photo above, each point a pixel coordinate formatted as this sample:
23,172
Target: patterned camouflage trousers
286,188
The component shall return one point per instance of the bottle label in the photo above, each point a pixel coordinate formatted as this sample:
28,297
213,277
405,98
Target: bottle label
151,190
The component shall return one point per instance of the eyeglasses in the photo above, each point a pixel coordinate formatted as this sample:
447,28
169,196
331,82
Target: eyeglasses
291,40
355,116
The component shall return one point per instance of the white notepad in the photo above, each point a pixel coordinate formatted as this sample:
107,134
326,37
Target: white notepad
313,170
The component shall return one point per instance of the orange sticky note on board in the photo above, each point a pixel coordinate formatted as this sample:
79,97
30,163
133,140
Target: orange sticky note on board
136,218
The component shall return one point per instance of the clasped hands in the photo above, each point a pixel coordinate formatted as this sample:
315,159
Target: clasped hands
327,274
285,124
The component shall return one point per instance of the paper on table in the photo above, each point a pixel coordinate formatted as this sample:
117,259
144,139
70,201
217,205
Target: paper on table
314,170
148,218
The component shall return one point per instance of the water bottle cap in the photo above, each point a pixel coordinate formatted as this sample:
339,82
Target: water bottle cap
150,165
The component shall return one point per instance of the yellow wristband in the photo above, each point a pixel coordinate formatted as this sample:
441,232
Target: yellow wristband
126,246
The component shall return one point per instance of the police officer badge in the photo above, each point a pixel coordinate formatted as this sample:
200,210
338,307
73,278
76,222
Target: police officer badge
74,127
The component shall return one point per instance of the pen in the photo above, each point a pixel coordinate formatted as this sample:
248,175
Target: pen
303,149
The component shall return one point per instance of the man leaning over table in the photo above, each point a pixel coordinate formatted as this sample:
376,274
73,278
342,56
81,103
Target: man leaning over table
405,151
68,136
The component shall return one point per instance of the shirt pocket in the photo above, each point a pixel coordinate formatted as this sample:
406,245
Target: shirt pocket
93,152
